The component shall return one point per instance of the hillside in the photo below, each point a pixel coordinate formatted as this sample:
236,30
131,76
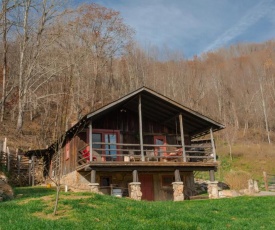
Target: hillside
86,57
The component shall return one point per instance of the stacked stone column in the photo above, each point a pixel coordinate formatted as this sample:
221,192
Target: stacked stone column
213,190
135,191
94,187
178,188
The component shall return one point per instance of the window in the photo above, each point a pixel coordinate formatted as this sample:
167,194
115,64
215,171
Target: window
109,149
105,181
167,180
97,138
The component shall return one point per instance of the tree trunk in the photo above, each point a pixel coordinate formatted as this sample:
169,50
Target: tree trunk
265,113
21,86
56,199
230,152
5,48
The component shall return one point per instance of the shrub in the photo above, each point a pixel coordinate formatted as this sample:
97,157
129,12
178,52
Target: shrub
237,179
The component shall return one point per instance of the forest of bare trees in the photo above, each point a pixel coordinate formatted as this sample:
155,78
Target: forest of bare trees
57,64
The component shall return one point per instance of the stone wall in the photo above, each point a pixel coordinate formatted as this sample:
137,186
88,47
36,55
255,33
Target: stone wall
6,192
76,182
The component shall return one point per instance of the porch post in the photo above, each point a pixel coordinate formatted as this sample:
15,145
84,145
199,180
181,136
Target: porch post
93,185
135,176
177,176
182,138
91,140
212,175
213,189
213,146
93,173
140,128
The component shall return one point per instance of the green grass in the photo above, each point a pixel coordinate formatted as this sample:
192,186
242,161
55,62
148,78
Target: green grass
90,211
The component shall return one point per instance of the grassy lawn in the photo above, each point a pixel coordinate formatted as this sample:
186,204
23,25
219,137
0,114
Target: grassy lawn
90,211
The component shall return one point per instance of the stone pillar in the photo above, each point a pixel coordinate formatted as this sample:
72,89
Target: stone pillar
252,187
256,187
134,191
94,187
213,190
178,191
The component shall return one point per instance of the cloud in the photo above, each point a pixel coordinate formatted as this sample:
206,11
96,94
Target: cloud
196,26
250,18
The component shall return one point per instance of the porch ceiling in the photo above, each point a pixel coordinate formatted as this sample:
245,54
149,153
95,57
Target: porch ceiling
163,110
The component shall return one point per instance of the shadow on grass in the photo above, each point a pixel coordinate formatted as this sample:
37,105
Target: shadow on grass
33,191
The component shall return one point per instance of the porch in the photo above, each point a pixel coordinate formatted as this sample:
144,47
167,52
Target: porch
200,152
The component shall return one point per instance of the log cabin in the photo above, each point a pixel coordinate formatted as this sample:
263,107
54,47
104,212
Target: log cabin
143,145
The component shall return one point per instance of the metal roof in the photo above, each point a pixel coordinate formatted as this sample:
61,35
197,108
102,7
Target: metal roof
155,106
160,108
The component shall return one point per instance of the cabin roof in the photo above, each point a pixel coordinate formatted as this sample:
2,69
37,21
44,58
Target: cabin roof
162,109
154,106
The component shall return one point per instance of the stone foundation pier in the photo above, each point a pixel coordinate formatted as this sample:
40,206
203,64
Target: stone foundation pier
213,190
178,188
94,187
135,191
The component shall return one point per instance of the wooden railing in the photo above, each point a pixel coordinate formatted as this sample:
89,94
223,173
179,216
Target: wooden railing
126,152
269,181
19,167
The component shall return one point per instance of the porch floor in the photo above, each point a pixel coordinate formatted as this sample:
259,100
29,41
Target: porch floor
151,166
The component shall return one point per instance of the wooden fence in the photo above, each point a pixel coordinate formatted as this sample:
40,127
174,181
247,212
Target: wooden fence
22,171
269,181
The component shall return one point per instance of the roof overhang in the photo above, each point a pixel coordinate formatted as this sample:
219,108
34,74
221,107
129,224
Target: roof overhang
37,153
161,109
154,106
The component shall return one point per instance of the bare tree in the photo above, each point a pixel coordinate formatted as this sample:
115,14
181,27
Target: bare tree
32,44
7,6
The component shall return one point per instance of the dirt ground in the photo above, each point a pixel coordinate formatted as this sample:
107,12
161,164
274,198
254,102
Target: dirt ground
265,193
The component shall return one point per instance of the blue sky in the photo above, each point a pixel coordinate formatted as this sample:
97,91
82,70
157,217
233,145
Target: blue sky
192,27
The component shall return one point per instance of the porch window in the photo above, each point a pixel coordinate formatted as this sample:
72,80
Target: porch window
106,143
105,181
111,149
97,137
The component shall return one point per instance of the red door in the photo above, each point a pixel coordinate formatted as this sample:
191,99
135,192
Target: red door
147,186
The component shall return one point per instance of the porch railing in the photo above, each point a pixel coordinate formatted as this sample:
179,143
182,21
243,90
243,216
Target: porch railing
197,152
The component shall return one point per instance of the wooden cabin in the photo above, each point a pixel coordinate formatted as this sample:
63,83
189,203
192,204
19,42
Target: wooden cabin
143,145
